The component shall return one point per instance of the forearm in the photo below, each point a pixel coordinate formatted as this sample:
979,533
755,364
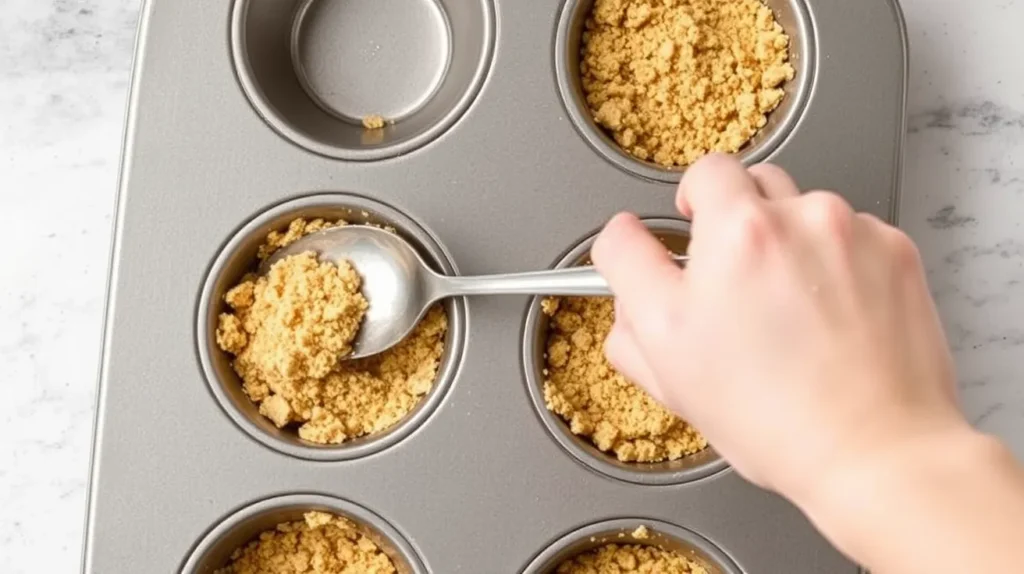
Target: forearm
943,504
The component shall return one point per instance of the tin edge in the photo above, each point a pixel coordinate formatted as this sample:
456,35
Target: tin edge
114,247
901,129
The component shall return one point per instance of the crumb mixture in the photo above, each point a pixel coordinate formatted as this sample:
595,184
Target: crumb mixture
374,122
320,544
596,400
295,321
641,533
622,558
673,80
289,331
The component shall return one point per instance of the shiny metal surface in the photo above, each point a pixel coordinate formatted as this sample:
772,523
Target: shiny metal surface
313,69
217,155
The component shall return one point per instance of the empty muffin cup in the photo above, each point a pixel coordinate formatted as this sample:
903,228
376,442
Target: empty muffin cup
239,257
628,531
215,549
361,80
705,463
794,17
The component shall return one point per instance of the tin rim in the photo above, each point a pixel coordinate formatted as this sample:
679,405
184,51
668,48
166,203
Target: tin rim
217,544
237,255
618,531
272,115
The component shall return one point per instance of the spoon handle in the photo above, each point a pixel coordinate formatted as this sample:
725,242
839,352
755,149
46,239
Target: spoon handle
569,282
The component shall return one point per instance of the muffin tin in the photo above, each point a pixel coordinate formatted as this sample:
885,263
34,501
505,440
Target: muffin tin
246,114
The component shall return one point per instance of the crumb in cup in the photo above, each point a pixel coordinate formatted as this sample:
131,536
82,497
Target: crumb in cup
673,80
288,333
629,558
374,122
596,401
320,544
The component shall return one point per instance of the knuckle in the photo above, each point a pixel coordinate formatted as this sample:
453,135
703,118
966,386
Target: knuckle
752,228
830,214
904,251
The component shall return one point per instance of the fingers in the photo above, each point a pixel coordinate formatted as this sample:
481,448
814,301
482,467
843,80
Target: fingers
636,265
773,181
715,184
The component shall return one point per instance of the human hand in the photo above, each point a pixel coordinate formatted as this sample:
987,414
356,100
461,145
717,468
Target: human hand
801,339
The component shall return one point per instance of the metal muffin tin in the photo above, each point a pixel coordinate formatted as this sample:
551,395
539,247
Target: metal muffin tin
241,115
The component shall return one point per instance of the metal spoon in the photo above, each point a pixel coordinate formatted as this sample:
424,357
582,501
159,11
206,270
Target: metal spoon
400,287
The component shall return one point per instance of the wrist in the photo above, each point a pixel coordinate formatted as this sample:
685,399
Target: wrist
864,477
953,489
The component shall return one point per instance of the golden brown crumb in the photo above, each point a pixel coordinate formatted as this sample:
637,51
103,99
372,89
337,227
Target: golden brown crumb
641,533
289,332
321,544
296,230
672,80
596,400
294,322
629,558
374,122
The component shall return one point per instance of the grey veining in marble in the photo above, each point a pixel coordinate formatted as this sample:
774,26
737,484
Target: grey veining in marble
64,69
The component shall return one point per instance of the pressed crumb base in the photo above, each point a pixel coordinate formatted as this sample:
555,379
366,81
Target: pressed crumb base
598,402
673,80
320,544
623,558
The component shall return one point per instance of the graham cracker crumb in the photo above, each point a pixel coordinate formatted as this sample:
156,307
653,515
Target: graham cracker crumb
673,80
641,533
297,229
294,322
629,558
289,332
320,544
374,122
597,401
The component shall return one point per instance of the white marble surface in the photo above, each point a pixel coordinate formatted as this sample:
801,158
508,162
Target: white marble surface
64,68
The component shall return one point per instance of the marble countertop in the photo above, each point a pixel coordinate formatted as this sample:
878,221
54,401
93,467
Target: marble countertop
64,67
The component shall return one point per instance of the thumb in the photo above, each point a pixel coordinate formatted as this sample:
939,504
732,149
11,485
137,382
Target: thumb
637,266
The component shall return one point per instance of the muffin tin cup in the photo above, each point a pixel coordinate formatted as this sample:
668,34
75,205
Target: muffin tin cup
238,257
215,548
675,234
314,69
793,15
620,531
